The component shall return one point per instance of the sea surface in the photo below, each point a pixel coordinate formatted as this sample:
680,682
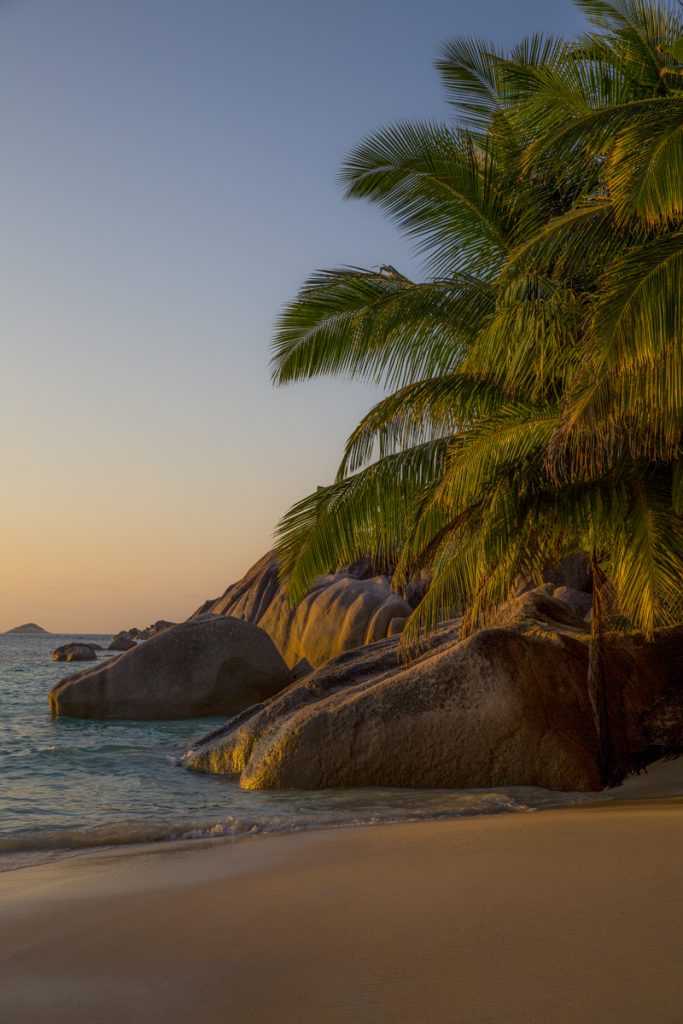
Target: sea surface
68,785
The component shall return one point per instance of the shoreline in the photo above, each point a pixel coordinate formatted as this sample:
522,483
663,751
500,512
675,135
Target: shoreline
662,779
568,915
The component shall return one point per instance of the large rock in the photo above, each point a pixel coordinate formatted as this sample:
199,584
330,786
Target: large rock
504,707
537,612
76,652
646,683
572,571
121,642
216,666
500,708
578,600
342,611
135,633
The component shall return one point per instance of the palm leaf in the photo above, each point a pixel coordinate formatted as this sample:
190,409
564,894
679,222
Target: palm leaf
438,406
375,327
363,515
645,171
468,69
442,189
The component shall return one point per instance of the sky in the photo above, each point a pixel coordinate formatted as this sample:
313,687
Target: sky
169,179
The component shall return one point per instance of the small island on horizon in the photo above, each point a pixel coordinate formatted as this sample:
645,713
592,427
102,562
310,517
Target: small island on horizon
29,627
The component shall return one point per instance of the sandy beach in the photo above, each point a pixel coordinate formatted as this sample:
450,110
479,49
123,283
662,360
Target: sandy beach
555,916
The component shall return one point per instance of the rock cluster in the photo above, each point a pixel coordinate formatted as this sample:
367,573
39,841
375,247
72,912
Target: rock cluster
129,638
134,633
507,706
501,708
342,611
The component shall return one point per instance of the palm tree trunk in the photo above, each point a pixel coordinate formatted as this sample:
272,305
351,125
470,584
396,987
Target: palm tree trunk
597,682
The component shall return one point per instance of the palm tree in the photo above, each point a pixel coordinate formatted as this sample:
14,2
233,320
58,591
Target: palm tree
535,381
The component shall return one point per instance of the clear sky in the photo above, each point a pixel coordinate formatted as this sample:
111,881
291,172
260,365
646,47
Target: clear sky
168,180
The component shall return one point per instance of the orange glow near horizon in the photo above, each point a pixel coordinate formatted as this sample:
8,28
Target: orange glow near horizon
99,544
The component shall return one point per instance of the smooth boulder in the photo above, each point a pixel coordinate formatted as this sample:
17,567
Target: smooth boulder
216,666
500,708
76,652
538,612
341,612
122,643
579,602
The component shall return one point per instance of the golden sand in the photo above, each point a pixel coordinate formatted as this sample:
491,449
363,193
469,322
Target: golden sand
555,917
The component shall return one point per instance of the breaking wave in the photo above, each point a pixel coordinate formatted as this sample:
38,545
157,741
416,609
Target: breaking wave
290,812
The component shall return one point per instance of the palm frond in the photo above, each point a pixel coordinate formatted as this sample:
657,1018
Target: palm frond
468,69
513,439
639,26
591,136
646,555
645,171
528,345
574,246
636,410
376,327
640,305
438,406
362,515
442,189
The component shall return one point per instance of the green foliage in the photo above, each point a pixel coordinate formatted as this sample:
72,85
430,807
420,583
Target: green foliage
675,51
535,379
444,188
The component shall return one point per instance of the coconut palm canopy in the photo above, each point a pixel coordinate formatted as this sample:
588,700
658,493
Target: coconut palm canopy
534,380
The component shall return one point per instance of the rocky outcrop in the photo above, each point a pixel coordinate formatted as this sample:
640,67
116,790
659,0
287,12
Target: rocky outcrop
121,643
76,652
500,708
578,600
540,612
646,681
134,633
216,666
342,611
205,608
508,706
572,571
355,606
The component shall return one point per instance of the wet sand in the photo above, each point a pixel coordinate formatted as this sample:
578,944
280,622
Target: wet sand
556,917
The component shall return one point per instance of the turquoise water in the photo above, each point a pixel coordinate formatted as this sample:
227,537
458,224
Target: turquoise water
68,784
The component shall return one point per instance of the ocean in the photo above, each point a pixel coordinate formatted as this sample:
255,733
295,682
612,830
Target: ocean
69,785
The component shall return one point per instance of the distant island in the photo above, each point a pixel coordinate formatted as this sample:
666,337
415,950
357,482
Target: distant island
28,627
